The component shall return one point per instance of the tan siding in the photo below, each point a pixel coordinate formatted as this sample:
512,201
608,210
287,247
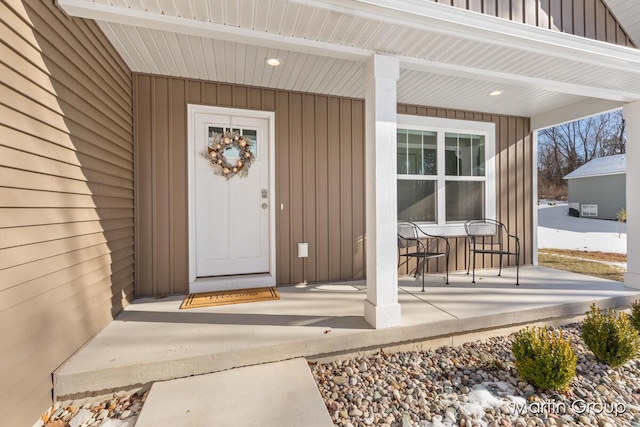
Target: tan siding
601,21
66,196
309,180
358,186
579,15
22,217
335,263
586,18
590,18
346,190
296,202
504,9
514,181
323,201
283,232
531,13
542,13
322,189
179,224
612,28
319,179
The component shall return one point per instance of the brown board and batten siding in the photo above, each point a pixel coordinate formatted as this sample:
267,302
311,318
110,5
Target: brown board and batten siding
319,179
514,182
585,18
66,196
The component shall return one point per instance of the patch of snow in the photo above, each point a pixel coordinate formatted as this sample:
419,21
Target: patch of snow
111,422
437,422
480,399
558,230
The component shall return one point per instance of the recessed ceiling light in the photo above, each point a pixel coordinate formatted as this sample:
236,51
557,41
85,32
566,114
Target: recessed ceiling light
274,62
496,93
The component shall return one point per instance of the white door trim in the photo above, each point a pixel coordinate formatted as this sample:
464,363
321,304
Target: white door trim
192,110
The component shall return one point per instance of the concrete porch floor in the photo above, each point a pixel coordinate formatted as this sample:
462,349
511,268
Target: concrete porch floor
153,340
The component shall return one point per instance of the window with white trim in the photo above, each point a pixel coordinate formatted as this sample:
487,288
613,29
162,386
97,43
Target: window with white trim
446,172
589,210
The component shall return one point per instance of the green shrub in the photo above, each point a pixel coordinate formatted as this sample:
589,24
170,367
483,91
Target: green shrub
544,358
610,336
635,314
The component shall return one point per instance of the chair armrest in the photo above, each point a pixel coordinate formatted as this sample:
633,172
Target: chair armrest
418,242
517,241
435,236
430,236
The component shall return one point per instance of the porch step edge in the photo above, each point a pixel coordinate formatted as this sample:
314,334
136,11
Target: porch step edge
102,382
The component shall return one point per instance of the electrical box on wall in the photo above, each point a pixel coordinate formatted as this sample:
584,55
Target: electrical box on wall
303,250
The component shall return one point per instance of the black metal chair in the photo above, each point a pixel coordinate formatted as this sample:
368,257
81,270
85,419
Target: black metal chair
488,236
422,246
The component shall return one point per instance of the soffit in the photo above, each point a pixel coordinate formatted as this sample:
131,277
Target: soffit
323,50
627,12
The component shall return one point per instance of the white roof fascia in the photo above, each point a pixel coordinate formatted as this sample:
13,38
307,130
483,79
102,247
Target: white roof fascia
573,112
418,14
613,96
593,175
160,22
444,19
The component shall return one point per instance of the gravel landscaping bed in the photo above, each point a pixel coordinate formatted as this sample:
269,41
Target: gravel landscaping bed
121,410
475,384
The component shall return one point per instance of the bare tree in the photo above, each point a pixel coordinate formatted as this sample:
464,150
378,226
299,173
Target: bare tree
566,147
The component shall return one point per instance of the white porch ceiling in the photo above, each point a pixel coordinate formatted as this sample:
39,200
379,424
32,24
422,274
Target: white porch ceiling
323,44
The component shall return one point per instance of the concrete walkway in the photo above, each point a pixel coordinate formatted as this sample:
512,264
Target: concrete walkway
281,394
153,340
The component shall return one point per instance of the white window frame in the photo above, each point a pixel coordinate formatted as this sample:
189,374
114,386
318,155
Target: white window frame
442,127
589,206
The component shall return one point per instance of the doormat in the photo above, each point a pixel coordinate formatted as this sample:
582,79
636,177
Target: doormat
238,296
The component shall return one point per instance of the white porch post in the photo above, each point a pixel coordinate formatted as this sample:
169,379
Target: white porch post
632,118
381,308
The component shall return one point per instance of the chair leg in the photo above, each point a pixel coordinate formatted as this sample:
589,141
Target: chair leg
424,260
518,269
473,280
447,267
468,258
500,270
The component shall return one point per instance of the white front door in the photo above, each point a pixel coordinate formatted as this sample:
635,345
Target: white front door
232,226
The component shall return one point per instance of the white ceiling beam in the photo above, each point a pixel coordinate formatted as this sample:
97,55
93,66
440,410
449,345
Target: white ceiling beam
572,112
156,21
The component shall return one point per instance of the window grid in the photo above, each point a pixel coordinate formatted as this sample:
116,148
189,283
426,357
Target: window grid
589,210
480,144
